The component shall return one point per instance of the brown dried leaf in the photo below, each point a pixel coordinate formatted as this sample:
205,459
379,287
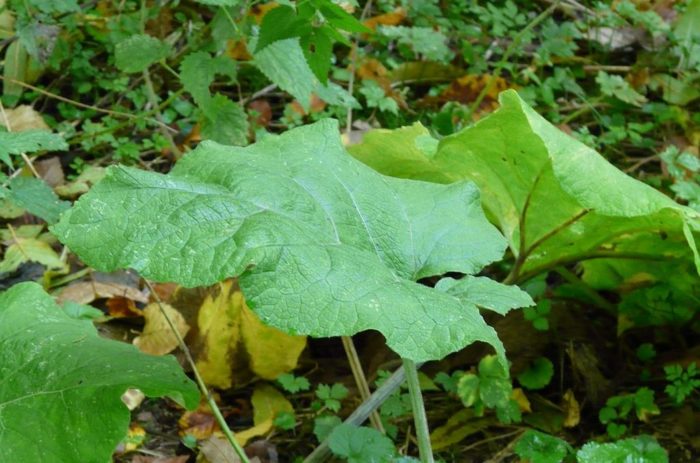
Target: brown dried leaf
219,450
23,118
157,337
393,18
84,292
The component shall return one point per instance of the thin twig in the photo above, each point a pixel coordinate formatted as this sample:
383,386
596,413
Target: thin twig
23,155
360,379
81,105
200,382
153,99
361,413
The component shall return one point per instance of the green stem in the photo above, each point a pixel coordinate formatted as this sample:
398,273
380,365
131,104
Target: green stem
200,381
419,417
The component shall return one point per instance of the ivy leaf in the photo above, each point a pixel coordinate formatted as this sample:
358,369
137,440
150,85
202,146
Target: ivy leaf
520,163
323,245
138,52
641,449
360,444
29,141
59,375
486,293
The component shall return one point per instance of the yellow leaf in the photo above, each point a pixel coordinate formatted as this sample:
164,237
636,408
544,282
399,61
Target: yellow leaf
523,403
135,437
157,337
267,403
30,249
231,338
22,118
572,410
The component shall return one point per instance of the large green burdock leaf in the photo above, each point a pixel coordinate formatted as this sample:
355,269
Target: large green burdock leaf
61,384
556,200
323,244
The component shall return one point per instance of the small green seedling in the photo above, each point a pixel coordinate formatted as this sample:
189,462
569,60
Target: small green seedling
618,408
683,383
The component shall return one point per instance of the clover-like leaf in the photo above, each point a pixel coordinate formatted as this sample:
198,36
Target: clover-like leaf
360,444
556,200
324,245
61,384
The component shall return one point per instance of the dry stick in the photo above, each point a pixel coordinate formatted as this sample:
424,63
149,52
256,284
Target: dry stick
200,382
153,99
24,156
82,105
360,379
361,413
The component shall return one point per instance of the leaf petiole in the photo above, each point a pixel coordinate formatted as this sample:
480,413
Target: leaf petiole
419,417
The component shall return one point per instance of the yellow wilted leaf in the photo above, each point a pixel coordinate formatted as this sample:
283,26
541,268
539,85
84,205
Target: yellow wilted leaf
22,118
393,18
523,402
30,249
572,409
232,338
267,403
157,337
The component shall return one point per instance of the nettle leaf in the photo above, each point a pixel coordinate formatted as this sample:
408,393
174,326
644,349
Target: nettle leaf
198,70
284,63
60,395
29,141
138,52
573,203
322,244
281,23
224,121
36,197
